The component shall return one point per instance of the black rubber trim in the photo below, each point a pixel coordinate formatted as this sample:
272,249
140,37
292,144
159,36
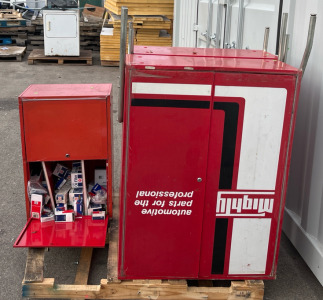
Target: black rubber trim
220,239
170,103
231,110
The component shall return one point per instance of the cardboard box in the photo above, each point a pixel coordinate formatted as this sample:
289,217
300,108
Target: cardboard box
47,217
76,175
36,205
100,177
61,206
63,194
64,216
98,215
60,183
60,171
77,200
94,207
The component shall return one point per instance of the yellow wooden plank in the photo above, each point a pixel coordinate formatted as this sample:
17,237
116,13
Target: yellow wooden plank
161,290
83,268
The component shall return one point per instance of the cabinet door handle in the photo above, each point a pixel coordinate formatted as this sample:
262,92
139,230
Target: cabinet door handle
48,26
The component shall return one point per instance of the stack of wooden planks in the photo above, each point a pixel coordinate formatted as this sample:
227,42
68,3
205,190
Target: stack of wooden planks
141,7
152,22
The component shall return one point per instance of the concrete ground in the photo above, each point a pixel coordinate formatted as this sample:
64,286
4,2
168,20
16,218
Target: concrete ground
294,278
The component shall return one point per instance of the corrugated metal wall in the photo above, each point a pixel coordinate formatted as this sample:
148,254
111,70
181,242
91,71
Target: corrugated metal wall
303,220
185,15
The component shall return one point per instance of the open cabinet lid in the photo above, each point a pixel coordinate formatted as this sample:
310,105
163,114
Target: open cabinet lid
83,232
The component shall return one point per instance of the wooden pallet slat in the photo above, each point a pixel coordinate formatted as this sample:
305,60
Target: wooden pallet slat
37,56
12,53
34,271
12,22
143,290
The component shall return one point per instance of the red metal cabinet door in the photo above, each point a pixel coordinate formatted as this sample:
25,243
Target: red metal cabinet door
250,131
165,151
65,129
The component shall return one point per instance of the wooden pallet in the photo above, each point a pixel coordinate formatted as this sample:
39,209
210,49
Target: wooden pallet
12,22
35,285
12,53
9,14
37,56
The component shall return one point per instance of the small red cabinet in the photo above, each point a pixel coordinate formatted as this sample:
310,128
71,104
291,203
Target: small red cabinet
64,123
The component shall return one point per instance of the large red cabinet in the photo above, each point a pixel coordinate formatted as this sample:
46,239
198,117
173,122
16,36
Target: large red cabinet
206,148
64,123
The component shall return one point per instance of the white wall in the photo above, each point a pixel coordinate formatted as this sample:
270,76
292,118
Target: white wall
303,220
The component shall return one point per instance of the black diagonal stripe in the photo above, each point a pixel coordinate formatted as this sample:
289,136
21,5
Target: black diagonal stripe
231,110
170,103
220,239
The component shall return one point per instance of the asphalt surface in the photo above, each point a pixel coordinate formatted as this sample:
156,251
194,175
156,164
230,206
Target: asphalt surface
294,278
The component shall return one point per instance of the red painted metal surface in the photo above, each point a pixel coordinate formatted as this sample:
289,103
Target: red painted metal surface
61,119
203,52
82,233
168,146
63,91
214,164
159,248
65,129
163,62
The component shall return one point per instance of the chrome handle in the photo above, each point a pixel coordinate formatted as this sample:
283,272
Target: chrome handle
227,29
282,36
131,38
209,23
240,24
266,38
309,43
218,31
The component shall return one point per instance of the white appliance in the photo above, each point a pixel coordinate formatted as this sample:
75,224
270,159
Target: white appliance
61,32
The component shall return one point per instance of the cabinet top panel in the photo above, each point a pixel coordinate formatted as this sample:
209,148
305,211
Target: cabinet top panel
203,52
52,91
218,60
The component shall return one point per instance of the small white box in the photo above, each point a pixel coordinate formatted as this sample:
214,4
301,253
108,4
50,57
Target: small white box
60,171
77,176
62,195
47,218
100,176
64,216
98,215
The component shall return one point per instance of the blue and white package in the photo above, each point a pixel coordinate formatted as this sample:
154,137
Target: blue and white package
62,195
61,206
98,215
47,217
96,188
94,207
60,183
76,175
60,171
76,198
98,194
64,216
